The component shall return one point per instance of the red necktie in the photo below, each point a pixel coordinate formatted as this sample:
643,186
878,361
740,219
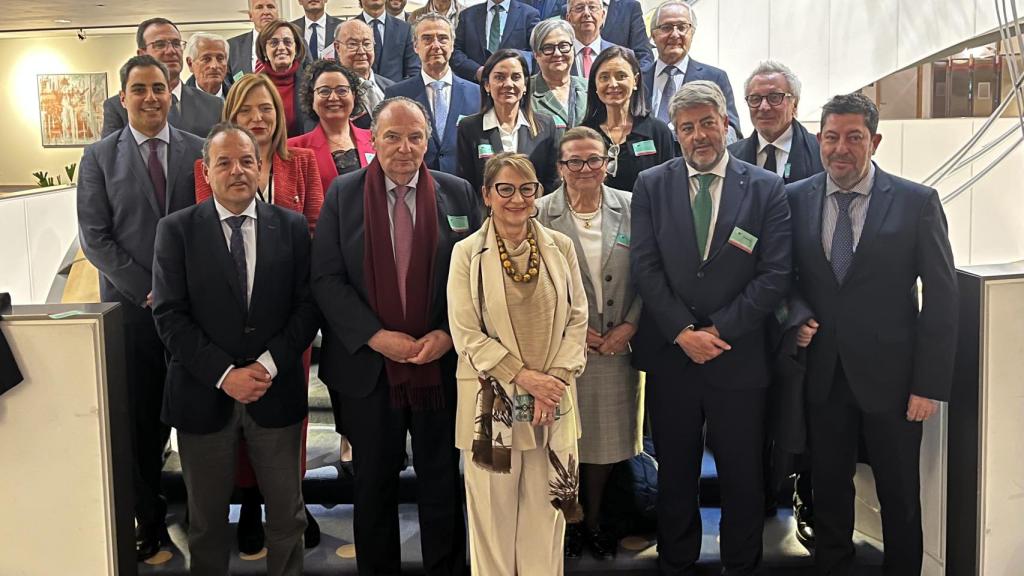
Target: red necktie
403,238
588,59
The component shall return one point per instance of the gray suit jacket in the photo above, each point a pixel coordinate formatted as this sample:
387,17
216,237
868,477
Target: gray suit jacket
622,303
199,112
118,212
240,54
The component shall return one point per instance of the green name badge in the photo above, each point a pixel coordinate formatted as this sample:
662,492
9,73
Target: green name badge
644,148
785,173
559,123
743,240
237,75
458,223
369,156
622,240
484,151
459,121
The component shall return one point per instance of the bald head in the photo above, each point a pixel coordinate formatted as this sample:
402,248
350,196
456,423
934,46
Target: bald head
353,44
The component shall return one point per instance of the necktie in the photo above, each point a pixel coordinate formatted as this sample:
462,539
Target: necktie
403,238
702,211
440,108
372,96
259,67
842,237
238,254
174,114
769,160
314,43
588,60
156,175
667,92
494,36
378,45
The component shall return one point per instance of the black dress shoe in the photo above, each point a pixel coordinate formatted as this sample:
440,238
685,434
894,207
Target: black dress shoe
603,544
148,541
573,541
312,531
250,529
803,514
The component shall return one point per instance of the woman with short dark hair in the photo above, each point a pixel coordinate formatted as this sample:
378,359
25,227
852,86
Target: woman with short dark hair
280,53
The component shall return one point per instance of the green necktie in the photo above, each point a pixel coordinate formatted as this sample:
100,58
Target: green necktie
494,38
702,211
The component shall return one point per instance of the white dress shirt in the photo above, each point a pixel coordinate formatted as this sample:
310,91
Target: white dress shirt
490,17
446,79
383,18
321,34
716,196
577,48
858,209
509,140
164,136
410,201
248,231
660,79
782,144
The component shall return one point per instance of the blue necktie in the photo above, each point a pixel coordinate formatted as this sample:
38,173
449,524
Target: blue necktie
842,237
440,108
314,47
238,254
378,45
667,92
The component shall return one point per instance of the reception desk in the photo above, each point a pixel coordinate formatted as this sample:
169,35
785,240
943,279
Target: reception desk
65,445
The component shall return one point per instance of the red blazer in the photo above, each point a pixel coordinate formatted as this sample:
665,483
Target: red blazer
317,142
297,184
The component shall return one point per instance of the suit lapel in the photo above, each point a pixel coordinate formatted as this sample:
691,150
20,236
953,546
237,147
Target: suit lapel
515,13
611,223
693,69
212,234
734,191
494,137
798,154
129,150
680,210
176,166
815,203
494,291
268,239
526,142
881,198
562,221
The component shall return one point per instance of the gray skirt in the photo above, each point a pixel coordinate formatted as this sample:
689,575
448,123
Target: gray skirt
610,400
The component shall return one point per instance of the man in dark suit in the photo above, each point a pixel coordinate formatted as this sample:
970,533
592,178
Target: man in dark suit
242,59
207,58
440,91
380,262
393,56
711,265
879,354
353,47
191,110
672,28
129,181
590,22
232,304
480,34
318,28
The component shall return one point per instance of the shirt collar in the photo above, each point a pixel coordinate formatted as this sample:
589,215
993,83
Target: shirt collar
490,120
223,213
447,78
863,187
492,3
390,186
369,19
681,66
164,135
177,91
717,169
784,142
322,22
595,46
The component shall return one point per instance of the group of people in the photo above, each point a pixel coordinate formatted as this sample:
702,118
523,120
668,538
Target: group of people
498,226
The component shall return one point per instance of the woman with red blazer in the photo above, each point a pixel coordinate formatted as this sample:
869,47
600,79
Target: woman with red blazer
331,97
288,178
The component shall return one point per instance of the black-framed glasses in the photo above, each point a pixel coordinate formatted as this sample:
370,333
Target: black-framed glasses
161,45
773,98
562,47
528,190
275,42
576,164
670,27
326,91
613,160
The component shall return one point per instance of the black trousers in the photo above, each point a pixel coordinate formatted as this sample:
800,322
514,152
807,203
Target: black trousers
377,433
893,447
679,406
146,370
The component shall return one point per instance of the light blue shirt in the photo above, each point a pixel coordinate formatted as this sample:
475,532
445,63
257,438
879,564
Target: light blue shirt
490,18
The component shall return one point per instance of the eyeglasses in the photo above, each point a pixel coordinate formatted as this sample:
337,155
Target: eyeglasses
668,28
161,45
353,46
576,164
528,190
275,42
773,98
326,91
613,160
562,47
581,8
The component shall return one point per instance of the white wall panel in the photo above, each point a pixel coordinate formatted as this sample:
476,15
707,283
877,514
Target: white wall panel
15,276
925,26
889,155
997,231
709,26
806,53
862,43
746,44
985,19
52,223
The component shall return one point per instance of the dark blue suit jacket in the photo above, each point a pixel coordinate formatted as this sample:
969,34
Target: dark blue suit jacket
698,71
889,347
471,37
398,61
804,153
623,25
464,101
733,289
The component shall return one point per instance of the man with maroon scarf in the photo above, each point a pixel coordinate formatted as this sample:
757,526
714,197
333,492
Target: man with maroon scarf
379,274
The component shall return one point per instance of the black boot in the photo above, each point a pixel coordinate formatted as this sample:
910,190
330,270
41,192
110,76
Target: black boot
250,522
573,540
803,509
312,531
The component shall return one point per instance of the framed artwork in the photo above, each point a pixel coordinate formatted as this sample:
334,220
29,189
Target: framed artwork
71,108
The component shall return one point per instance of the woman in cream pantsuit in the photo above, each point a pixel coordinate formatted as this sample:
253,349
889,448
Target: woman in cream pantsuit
518,317
596,218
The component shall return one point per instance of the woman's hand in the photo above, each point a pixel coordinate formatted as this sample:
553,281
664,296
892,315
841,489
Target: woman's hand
594,340
544,388
543,413
616,340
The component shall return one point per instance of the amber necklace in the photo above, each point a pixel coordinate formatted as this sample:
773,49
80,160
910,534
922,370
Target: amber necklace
532,271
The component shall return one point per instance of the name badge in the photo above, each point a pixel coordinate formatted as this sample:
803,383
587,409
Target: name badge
237,75
743,240
622,240
369,156
644,148
559,123
458,223
484,151
459,121
785,172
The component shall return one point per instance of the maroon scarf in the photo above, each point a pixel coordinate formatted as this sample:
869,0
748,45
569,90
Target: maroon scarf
411,385
286,88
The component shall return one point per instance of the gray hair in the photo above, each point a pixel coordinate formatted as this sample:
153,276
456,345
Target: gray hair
689,10
769,67
697,93
397,100
192,48
431,17
222,127
545,27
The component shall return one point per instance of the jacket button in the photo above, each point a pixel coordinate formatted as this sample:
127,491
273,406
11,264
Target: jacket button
700,274
611,302
608,278
611,324
249,329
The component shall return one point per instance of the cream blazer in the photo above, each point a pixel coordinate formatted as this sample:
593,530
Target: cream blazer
482,329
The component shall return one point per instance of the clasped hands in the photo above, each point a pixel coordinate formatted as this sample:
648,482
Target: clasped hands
614,341
403,348
702,344
248,383
546,391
